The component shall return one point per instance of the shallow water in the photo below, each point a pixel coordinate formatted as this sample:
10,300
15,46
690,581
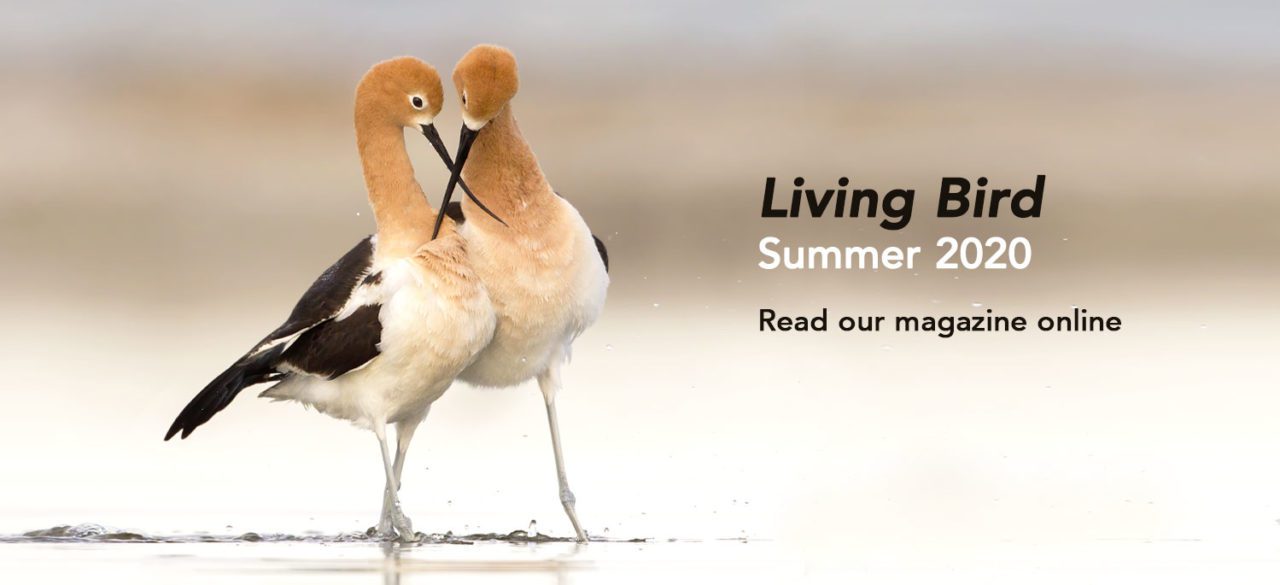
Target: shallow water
95,554
94,533
92,553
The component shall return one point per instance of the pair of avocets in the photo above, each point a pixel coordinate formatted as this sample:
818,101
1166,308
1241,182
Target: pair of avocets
495,300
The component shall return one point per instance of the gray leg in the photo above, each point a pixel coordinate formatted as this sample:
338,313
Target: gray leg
398,519
549,382
404,434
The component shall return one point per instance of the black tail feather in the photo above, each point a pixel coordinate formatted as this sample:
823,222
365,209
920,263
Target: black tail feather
604,253
223,389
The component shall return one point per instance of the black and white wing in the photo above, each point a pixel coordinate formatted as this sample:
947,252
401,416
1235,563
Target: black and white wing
336,346
333,329
325,298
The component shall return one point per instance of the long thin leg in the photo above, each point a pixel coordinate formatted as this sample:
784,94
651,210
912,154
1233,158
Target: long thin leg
404,434
549,383
401,523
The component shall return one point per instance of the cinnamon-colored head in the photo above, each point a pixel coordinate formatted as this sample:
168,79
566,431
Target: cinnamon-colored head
404,91
486,79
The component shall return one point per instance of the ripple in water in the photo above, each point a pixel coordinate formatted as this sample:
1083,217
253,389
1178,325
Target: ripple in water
96,533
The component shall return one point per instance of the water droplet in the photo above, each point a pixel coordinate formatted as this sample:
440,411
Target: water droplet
608,347
524,360
1204,326
975,305
1065,239
656,305
357,214
533,528
886,347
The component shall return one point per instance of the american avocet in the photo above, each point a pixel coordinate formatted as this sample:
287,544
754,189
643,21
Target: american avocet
546,274
384,331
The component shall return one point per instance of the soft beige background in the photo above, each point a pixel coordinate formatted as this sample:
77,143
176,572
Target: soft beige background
172,177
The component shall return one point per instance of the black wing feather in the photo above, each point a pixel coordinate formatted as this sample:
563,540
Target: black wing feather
334,348
454,211
604,253
215,396
318,305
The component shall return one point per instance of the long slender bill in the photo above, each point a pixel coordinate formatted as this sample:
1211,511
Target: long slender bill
433,136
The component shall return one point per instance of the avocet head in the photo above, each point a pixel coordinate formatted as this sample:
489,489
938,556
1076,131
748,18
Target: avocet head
486,80
404,91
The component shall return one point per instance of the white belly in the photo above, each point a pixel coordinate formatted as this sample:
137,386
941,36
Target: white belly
547,288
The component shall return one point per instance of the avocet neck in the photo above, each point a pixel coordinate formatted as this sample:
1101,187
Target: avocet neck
399,206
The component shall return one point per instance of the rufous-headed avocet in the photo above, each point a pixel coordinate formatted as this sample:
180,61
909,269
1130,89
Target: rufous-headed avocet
545,272
383,332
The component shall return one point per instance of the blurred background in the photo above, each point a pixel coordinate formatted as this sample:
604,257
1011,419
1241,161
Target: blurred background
173,175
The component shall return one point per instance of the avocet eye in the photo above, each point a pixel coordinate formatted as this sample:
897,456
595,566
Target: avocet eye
464,99
417,102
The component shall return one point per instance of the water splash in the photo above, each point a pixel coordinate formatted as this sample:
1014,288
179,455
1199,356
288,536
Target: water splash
96,533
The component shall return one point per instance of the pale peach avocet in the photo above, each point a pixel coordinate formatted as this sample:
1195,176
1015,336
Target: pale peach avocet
546,274
384,331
